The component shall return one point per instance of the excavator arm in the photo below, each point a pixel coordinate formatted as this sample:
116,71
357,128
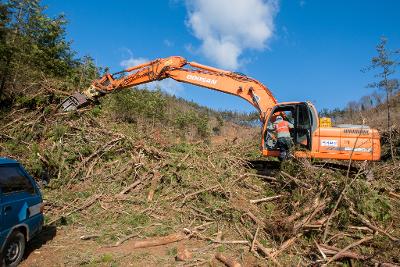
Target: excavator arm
179,69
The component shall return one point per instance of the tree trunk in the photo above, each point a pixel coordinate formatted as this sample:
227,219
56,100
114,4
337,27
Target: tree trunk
388,125
388,109
5,75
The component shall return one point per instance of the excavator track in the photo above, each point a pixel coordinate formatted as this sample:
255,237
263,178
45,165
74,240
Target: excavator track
268,168
337,167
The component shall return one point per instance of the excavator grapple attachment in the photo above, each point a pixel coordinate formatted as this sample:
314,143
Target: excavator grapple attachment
73,102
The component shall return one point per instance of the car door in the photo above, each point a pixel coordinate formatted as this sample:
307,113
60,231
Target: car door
17,195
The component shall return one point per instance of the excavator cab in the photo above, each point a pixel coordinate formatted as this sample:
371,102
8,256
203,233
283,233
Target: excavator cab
313,139
303,118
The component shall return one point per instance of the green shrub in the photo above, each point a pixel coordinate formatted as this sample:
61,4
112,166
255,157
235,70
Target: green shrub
59,131
370,202
202,125
129,105
29,102
188,119
96,111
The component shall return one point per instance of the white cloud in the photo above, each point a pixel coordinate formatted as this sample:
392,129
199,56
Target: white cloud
168,43
170,86
130,62
190,48
167,85
228,27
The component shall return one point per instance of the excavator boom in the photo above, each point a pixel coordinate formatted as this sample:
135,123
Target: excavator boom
179,69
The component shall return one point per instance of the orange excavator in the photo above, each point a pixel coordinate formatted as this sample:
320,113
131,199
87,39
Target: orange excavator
313,138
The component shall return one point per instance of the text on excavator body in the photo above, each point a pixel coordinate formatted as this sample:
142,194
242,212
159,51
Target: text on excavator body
201,79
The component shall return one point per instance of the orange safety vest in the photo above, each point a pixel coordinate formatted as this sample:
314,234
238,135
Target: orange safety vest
282,127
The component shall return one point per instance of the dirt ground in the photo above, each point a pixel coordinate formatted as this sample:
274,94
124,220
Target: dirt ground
63,246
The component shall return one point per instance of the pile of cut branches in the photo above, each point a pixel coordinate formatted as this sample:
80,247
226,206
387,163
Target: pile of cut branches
121,183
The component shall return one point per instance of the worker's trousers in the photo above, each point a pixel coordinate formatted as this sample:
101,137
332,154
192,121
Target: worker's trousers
284,145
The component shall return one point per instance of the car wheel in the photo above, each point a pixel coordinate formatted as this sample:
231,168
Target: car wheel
14,249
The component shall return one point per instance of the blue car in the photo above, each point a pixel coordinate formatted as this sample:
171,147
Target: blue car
21,211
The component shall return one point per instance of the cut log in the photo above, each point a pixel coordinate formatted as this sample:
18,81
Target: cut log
254,201
153,186
158,241
227,261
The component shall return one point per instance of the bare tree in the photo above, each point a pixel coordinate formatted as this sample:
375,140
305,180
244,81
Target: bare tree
386,65
377,99
352,108
366,102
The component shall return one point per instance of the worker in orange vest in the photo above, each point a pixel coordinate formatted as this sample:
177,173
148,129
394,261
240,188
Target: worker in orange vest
284,142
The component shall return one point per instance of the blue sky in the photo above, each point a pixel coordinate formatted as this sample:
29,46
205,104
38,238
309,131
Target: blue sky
301,49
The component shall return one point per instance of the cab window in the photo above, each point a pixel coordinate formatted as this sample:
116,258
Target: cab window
13,180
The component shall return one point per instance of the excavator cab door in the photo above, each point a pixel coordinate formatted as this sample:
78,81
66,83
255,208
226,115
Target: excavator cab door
303,126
